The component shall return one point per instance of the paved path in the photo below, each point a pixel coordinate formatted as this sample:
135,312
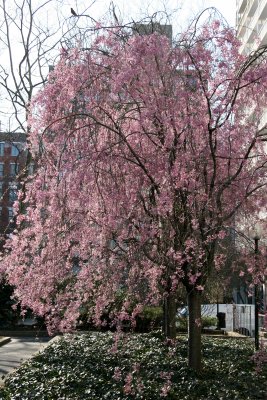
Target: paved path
12,354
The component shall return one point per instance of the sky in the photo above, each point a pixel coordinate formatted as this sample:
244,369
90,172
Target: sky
181,12
129,8
226,7
58,12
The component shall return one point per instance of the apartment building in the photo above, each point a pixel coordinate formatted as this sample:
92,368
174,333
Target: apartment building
251,24
12,163
147,29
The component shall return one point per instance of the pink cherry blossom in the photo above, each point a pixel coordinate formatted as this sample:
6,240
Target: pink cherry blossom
144,154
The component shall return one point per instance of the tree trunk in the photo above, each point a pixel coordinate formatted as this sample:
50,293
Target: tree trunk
169,316
194,329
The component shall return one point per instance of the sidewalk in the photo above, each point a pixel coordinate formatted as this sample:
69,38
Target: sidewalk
17,350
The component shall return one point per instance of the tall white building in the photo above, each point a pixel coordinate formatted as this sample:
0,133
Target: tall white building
251,23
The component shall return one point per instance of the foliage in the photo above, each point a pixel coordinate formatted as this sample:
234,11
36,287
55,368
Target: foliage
136,367
206,322
149,318
8,316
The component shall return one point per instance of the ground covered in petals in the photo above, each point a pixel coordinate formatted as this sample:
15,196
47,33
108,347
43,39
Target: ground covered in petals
141,366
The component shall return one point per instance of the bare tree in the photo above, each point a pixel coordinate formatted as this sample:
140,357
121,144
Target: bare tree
30,39
29,43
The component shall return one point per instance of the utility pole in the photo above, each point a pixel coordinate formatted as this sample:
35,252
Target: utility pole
256,296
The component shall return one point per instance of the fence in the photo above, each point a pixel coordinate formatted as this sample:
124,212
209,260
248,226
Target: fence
244,319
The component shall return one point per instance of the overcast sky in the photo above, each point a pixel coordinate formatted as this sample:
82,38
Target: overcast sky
182,11
226,7
135,8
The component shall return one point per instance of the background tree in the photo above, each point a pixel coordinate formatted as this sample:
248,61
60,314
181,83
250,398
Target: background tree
29,46
147,154
31,33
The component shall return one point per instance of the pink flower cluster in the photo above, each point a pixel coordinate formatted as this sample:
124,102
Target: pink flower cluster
144,153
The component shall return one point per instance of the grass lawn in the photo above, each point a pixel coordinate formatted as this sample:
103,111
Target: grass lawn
93,366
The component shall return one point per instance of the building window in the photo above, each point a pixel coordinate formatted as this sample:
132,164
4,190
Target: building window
13,192
31,169
1,169
10,214
14,150
1,191
13,169
2,148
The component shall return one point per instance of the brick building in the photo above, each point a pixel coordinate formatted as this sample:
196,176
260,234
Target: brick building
12,163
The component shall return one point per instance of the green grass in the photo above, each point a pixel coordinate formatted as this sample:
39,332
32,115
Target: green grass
81,367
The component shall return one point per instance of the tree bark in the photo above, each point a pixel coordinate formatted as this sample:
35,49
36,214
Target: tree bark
169,315
194,329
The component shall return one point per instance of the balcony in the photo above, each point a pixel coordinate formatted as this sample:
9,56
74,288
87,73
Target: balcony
254,31
241,5
245,13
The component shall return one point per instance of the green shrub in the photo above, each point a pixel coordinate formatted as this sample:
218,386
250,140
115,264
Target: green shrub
181,323
207,321
8,316
150,318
